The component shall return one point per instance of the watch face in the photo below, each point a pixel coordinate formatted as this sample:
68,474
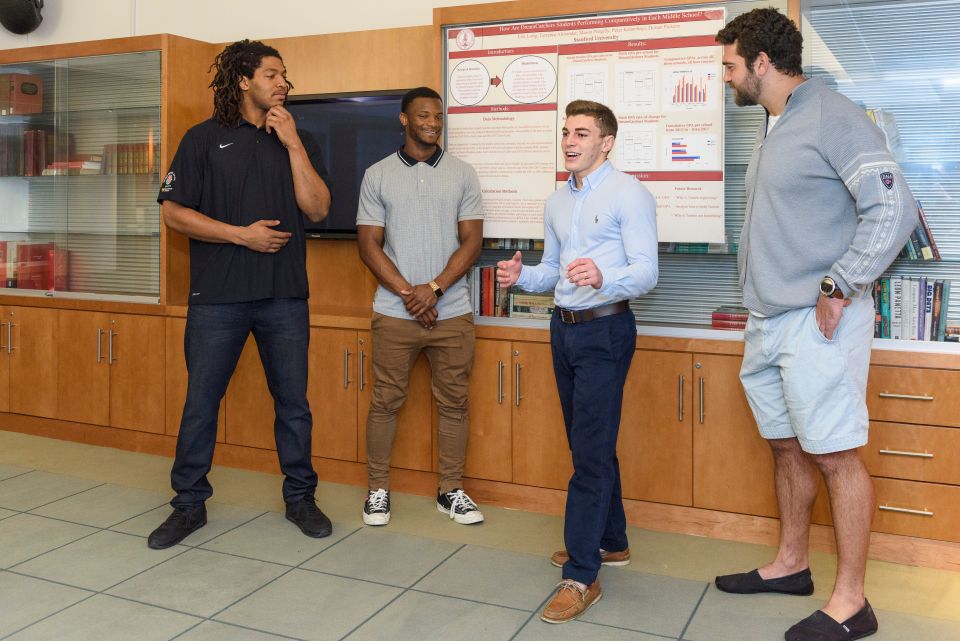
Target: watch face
827,286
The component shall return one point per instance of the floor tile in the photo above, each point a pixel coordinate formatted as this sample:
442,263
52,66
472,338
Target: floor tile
97,562
311,606
645,602
5,513
103,506
27,600
537,630
34,489
6,471
198,582
25,536
496,577
220,518
374,554
271,537
215,631
747,617
900,627
104,618
416,616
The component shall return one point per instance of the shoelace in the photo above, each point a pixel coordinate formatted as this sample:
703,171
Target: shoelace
460,499
378,501
570,584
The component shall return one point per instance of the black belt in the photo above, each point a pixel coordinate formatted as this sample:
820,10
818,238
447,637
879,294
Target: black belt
584,315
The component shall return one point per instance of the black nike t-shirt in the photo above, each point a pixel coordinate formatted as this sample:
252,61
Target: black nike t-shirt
239,175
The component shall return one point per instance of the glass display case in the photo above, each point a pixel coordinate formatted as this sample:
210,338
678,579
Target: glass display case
79,175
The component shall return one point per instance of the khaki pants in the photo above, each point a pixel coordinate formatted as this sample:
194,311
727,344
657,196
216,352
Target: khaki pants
397,344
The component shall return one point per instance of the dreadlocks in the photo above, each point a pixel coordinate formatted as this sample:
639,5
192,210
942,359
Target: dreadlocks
239,59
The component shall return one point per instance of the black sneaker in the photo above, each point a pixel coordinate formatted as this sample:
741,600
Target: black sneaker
185,520
308,517
459,506
376,509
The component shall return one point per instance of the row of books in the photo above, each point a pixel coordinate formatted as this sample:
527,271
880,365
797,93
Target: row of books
921,245
42,152
489,299
912,308
699,248
43,266
521,244
729,317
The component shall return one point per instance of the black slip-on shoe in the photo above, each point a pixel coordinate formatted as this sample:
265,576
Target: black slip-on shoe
307,516
800,583
819,626
185,520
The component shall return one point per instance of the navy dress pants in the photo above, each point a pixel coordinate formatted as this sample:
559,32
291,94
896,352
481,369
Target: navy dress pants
591,361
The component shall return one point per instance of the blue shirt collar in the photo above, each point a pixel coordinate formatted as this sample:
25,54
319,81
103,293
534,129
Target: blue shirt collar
592,180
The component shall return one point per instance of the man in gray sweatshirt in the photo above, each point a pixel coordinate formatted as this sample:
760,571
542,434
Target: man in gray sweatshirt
827,211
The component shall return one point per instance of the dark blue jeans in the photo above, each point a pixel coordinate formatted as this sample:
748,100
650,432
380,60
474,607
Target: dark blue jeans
591,361
214,338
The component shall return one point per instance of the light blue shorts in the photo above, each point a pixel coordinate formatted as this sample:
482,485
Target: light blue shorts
799,384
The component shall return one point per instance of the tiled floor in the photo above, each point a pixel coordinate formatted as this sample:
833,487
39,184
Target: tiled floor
74,565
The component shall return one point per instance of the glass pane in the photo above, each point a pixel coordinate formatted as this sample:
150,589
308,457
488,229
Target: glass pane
79,174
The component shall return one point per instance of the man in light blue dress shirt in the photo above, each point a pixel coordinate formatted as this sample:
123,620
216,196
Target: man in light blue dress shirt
600,249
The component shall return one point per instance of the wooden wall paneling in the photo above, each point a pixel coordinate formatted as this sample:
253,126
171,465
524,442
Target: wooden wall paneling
175,375
4,361
332,392
249,406
137,378
337,277
491,397
655,447
83,375
34,362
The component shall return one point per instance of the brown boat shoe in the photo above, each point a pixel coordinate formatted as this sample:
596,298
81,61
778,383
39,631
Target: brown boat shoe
570,601
614,559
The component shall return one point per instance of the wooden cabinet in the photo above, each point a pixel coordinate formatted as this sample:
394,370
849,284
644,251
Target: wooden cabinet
489,448
111,369
6,351
175,377
334,382
33,358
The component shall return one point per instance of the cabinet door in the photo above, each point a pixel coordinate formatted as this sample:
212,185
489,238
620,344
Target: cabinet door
490,444
6,334
413,445
135,351
732,463
175,374
249,406
33,361
332,392
83,373
541,455
655,447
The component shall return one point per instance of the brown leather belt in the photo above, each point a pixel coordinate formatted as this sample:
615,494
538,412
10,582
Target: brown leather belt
585,315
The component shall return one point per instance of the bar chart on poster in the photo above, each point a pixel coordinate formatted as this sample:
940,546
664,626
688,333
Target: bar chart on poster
507,85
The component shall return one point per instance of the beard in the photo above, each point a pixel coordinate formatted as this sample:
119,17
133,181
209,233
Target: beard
748,93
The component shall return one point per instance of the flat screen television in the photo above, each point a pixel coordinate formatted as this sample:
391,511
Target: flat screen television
354,131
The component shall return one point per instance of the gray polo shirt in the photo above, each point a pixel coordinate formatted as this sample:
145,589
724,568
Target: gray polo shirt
419,205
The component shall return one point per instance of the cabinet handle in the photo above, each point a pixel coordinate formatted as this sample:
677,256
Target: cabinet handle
905,510
517,384
361,355
99,345
680,407
903,453
701,400
499,382
346,367
906,397
10,346
110,356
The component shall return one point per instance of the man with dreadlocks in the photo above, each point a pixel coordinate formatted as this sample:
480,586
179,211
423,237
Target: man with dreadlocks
237,187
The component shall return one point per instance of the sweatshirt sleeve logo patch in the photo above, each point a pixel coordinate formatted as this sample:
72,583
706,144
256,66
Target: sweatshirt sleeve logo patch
887,179
168,182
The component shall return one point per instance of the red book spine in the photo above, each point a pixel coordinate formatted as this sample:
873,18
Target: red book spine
728,324
729,316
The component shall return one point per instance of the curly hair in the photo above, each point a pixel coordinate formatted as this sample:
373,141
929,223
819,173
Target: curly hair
606,121
239,59
769,31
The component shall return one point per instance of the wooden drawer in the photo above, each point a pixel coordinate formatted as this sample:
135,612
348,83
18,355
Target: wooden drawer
914,395
926,510
913,452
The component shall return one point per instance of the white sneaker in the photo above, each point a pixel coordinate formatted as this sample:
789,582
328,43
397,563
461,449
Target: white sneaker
459,506
376,509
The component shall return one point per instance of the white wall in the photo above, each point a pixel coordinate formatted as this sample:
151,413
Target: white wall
220,20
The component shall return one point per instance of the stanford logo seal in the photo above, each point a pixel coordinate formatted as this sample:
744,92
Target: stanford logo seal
887,179
466,39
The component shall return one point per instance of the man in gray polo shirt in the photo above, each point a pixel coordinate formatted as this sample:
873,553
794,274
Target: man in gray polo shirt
419,227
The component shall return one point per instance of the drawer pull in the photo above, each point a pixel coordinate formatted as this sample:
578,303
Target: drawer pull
902,453
906,397
905,510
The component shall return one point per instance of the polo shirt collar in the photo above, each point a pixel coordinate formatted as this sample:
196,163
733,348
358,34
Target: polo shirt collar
410,161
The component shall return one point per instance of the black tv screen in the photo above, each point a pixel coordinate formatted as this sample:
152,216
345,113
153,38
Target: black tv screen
354,131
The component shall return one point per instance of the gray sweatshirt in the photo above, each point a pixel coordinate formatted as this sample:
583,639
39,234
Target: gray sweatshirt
824,197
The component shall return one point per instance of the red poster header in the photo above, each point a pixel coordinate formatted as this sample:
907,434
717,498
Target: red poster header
591,23
638,45
507,51
493,109
661,176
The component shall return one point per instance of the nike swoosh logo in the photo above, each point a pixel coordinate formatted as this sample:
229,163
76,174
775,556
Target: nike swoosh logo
226,145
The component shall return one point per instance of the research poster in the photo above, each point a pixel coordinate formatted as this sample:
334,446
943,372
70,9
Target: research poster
507,86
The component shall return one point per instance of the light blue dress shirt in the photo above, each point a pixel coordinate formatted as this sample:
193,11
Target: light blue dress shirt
611,219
